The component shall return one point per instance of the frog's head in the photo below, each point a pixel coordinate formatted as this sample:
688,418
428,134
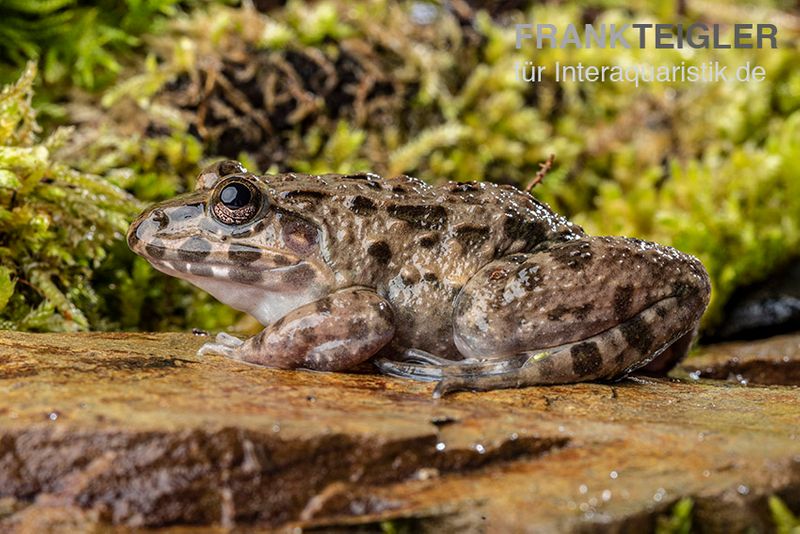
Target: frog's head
229,239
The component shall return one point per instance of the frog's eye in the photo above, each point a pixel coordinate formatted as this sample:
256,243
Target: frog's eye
237,201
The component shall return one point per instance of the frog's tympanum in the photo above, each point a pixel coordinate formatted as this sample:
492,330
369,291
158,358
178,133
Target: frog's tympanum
474,285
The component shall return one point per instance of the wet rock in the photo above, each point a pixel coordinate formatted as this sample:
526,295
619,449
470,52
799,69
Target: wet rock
775,360
135,430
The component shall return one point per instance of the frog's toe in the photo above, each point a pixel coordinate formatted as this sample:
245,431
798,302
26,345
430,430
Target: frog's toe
471,374
225,344
229,340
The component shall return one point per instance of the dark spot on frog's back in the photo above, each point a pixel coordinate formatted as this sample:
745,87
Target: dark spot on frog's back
420,216
517,228
573,254
381,251
361,205
429,240
243,254
586,359
471,237
194,249
466,187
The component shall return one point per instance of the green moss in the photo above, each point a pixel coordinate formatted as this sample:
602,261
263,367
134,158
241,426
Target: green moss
785,521
55,223
708,168
76,42
334,87
680,519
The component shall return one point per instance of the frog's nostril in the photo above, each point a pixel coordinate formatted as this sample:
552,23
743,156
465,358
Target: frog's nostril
183,213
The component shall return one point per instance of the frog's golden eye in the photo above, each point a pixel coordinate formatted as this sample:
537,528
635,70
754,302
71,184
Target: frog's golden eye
236,201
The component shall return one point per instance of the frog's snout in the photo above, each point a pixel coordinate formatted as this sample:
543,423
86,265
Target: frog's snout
137,232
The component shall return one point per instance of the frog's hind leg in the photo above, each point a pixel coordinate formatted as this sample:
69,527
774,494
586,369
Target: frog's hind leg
611,354
453,375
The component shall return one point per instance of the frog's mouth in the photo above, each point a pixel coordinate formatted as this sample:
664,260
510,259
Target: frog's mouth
268,277
267,292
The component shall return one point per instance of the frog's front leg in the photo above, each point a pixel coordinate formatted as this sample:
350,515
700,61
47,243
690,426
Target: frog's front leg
333,333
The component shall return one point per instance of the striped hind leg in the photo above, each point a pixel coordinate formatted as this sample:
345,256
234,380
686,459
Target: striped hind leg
610,354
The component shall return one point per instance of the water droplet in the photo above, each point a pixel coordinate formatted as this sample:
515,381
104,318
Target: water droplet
701,436
276,427
742,380
659,494
613,475
440,446
479,448
694,375
742,489
593,501
583,489
514,436
606,495
706,473
53,416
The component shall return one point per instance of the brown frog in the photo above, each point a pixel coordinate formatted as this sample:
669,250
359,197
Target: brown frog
474,285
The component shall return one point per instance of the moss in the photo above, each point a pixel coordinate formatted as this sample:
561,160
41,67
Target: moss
707,168
320,87
680,519
56,223
785,521
79,43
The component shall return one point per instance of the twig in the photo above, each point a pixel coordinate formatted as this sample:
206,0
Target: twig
544,168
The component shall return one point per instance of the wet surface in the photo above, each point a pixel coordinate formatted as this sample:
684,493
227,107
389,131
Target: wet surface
134,429
774,360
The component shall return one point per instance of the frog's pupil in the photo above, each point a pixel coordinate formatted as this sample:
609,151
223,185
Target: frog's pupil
235,196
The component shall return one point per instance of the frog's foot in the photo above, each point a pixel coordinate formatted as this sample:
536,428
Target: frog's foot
225,344
456,375
424,357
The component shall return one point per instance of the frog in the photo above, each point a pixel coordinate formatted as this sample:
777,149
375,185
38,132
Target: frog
472,285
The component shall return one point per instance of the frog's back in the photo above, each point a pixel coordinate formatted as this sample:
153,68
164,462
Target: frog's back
417,244
375,227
